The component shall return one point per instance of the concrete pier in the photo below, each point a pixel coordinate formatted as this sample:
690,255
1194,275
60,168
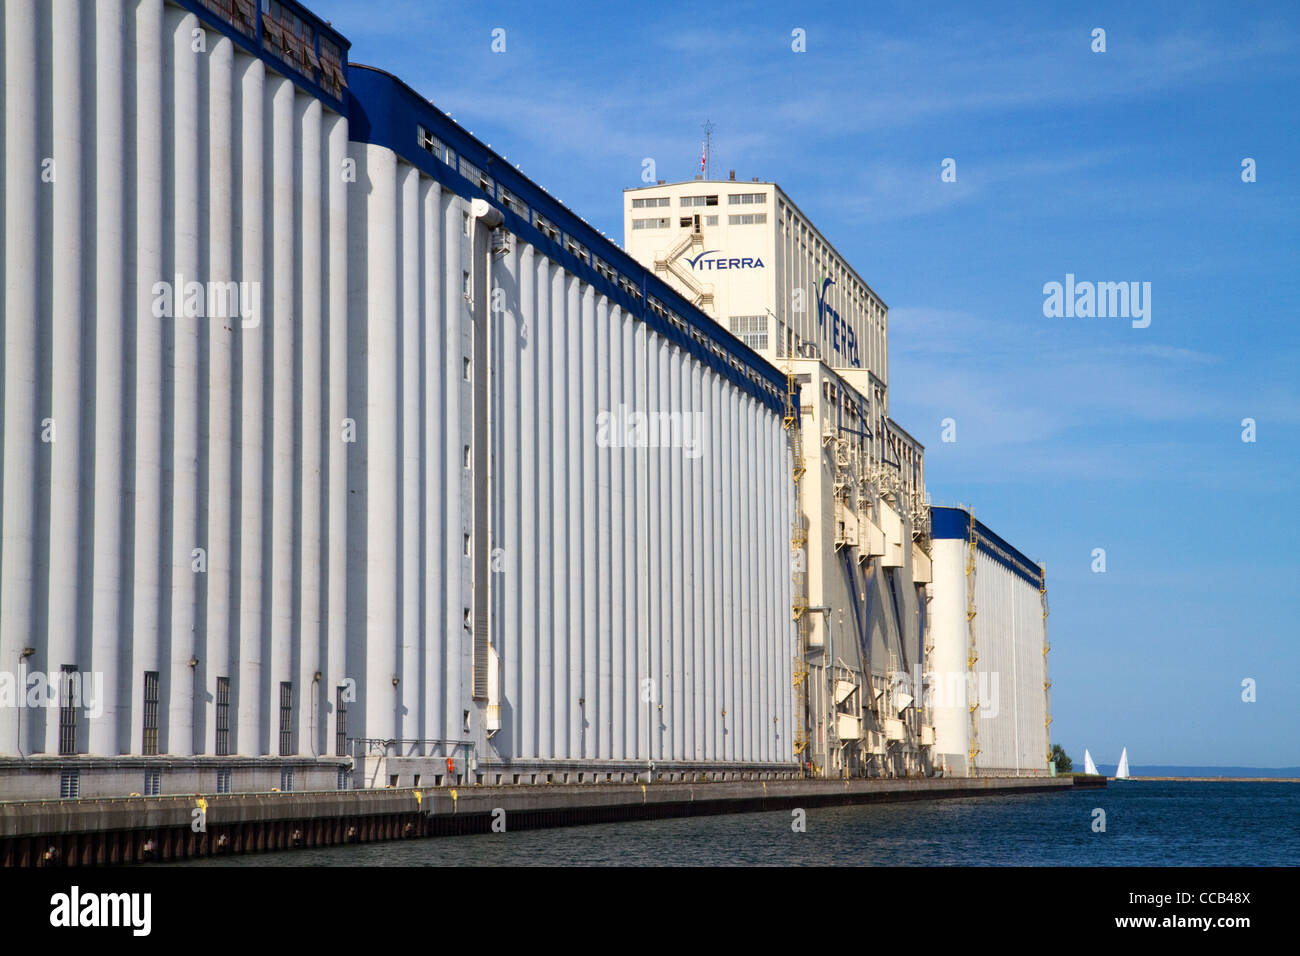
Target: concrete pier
142,829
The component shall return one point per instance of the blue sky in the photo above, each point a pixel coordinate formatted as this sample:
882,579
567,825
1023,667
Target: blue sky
1072,433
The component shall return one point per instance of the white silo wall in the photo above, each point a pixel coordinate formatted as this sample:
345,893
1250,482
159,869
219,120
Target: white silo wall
278,494
612,565
1006,681
174,517
948,668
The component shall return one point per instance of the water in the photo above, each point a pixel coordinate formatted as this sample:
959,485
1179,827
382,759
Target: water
1147,824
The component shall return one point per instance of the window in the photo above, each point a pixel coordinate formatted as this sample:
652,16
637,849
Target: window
464,284
546,227
152,783
331,63
343,779
746,199
223,781
69,698
239,13
650,223
433,145
150,742
464,226
476,176
468,625
577,249
699,200
654,203
468,369
467,546
750,329
286,719
341,721
710,220
747,219
69,784
512,202
286,780
223,717
467,457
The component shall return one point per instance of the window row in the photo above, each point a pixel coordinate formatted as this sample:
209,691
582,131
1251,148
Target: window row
70,698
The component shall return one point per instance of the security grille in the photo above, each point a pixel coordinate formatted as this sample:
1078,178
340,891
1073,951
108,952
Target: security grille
340,722
150,743
286,780
223,716
223,781
152,783
286,719
69,785
69,697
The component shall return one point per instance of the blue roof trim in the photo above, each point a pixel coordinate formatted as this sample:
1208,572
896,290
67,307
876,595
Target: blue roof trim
949,523
254,45
384,111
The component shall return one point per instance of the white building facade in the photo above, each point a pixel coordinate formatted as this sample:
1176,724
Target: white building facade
747,255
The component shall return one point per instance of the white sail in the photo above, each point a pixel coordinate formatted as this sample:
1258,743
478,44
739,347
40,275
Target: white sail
1122,772
1088,765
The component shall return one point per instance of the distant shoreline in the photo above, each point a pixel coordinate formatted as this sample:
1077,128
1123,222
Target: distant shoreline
1220,779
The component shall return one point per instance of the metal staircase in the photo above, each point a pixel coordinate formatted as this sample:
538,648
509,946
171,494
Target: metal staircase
669,262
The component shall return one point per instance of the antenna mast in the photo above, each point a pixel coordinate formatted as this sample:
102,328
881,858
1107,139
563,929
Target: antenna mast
708,148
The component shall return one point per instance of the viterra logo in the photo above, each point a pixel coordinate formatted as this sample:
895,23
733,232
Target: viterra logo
843,339
704,264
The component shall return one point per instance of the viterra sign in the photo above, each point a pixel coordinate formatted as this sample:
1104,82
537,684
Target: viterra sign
710,261
843,339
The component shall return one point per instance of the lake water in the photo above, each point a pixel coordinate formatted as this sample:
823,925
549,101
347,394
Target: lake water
1147,824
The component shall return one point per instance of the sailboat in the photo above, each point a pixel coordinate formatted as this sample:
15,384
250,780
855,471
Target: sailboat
1088,765
1121,773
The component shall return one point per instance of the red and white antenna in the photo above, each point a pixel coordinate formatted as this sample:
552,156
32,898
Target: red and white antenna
707,148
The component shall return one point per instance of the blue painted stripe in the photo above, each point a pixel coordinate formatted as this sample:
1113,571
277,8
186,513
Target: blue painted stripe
950,523
384,111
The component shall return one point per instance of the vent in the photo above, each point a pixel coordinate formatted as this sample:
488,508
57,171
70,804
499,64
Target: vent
69,785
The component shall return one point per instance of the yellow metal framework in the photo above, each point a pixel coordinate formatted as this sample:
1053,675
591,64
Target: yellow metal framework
972,655
798,544
1047,681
